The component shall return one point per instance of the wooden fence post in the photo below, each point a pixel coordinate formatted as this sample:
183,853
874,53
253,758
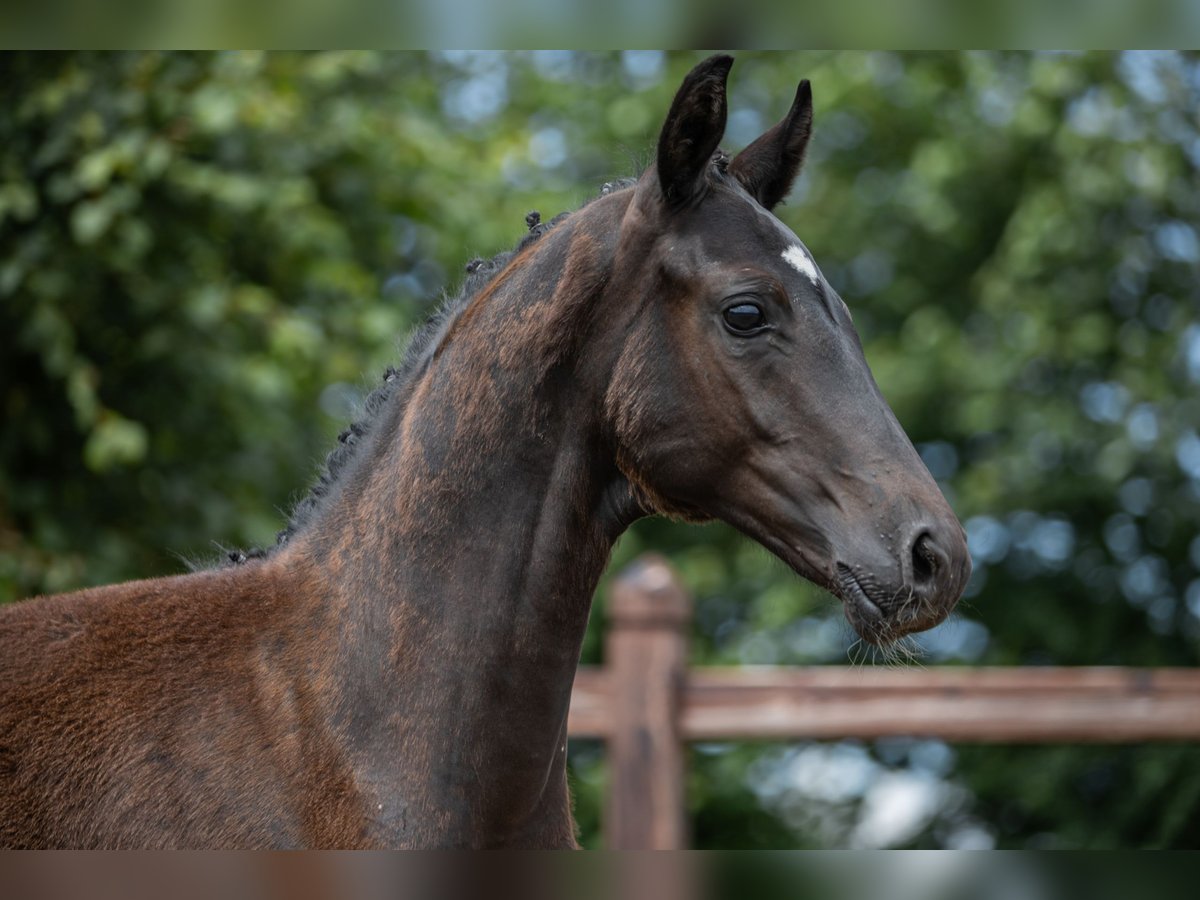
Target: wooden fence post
649,614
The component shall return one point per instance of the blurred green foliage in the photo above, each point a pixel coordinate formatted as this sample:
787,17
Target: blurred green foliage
205,260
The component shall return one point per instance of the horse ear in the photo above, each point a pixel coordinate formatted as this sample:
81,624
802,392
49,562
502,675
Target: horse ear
767,168
694,127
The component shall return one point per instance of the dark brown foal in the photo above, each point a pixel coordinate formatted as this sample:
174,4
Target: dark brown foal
397,672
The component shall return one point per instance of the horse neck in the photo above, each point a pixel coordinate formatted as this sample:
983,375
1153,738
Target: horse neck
462,557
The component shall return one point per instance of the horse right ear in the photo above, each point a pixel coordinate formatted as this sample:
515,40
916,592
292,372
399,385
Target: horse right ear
694,127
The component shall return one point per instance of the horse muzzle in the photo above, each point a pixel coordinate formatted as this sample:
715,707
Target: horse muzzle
890,597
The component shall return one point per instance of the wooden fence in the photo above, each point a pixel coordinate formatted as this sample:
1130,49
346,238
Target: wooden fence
645,703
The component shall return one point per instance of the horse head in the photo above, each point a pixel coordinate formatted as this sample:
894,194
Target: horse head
740,390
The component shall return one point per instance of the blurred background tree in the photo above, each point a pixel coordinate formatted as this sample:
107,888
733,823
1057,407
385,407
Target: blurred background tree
207,259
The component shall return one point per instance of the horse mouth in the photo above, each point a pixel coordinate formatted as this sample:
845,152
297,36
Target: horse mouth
864,614
870,607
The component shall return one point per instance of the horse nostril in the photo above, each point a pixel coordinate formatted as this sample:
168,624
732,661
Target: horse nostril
925,558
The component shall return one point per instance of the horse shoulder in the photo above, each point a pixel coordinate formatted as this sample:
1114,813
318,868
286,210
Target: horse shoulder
158,712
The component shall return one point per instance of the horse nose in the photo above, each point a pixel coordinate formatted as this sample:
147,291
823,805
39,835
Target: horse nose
926,558
935,561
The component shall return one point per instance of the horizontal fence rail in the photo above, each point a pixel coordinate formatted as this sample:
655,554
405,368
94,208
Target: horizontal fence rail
997,705
645,703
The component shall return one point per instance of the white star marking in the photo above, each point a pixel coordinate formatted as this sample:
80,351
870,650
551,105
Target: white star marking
802,263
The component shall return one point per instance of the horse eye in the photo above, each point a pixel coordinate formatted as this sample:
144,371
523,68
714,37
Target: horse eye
744,318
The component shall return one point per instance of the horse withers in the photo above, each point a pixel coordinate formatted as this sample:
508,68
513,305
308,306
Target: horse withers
396,672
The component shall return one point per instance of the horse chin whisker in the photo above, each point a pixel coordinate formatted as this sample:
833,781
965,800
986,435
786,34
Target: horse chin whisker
904,651
852,653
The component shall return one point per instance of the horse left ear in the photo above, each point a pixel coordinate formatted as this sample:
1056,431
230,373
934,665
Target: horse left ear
692,131
767,168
